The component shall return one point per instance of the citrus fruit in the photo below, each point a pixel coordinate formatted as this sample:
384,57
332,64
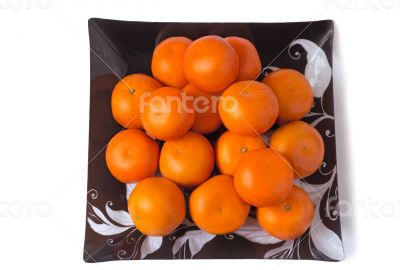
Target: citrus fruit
211,64
166,64
263,178
301,144
205,107
125,98
230,147
165,115
156,206
188,161
216,207
248,108
131,156
290,218
293,91
249,61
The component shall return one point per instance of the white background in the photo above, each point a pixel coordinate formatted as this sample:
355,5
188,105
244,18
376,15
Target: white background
44,116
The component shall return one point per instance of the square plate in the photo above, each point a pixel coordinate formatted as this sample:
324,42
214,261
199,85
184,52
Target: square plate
119,48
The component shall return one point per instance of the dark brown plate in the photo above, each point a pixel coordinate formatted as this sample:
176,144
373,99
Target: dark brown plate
119,48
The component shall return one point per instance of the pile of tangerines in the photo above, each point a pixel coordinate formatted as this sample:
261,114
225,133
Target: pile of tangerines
198,87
